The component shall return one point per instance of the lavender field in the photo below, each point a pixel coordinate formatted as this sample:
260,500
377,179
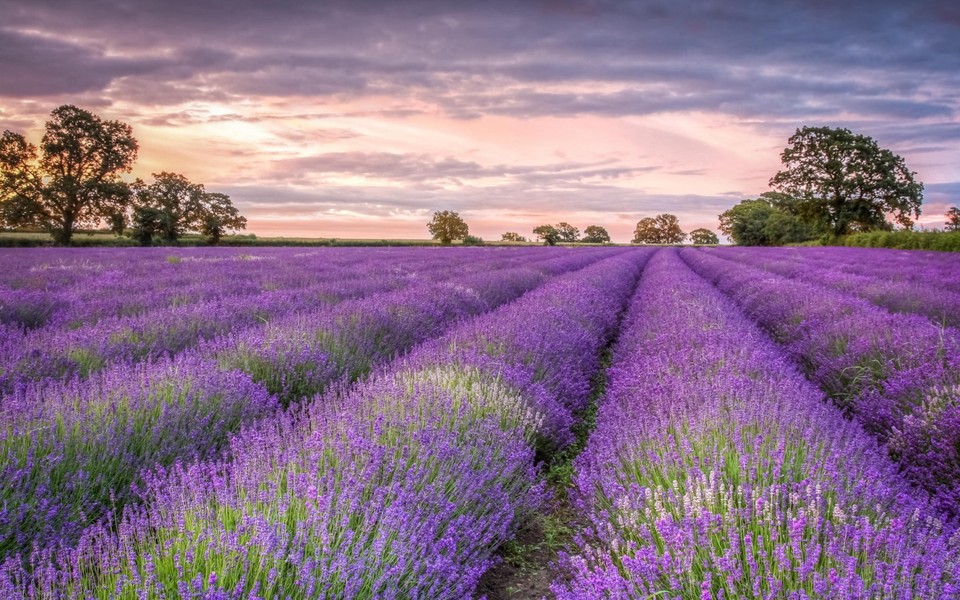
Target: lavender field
382,422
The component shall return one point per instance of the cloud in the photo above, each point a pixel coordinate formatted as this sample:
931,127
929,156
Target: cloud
393,98
790,60
328,211
422,168
381,200
38,66
944,193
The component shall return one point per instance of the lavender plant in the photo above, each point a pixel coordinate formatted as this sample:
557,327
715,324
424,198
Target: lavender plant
300,357
866,279
100,434
717,471
402,487
881,367
58,352
69,452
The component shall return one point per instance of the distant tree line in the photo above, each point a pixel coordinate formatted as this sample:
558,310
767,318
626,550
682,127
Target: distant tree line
73,180
447,226
665,229
833,183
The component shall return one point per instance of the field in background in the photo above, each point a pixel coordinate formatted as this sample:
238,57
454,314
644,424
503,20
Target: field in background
107,239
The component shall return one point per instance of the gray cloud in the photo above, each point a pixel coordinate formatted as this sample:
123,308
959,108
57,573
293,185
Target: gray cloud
790,60
424,169
35,66
946,193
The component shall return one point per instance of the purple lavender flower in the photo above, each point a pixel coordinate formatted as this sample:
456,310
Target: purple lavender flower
402,486
716,470
896,373
69,452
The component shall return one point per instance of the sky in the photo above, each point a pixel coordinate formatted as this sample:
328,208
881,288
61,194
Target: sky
360,118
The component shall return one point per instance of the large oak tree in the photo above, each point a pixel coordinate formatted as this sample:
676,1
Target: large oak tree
844,182
72,180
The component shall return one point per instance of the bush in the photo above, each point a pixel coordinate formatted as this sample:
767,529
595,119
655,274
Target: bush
472,240
944,241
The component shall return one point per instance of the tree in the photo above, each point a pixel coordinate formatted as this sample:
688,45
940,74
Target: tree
117,222
670,231
646,232
74,178
148,223
17,211
447,226
662,229
511,236
595,234
172,205
953,219
548,234
218,215
174,198
845,182
760,222
704,237
567,232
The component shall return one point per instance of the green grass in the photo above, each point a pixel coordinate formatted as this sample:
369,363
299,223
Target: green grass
943,241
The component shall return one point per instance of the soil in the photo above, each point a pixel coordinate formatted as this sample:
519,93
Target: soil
527,578
526,569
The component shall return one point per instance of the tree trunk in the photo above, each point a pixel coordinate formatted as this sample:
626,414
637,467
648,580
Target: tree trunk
64,234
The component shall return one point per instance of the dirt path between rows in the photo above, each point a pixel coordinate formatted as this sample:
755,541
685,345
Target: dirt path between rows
525,571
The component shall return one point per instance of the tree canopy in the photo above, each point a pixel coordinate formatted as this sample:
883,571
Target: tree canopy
761,222
704,237
173,205
548,234
567,232
595,234
447,226
218,215
512,236
953,219
662,229
844,182
72,180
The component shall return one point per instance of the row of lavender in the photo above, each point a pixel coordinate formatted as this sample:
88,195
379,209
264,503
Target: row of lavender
400,487
878,277
251,291
717,471
71,450
72,288
898,374
936,268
